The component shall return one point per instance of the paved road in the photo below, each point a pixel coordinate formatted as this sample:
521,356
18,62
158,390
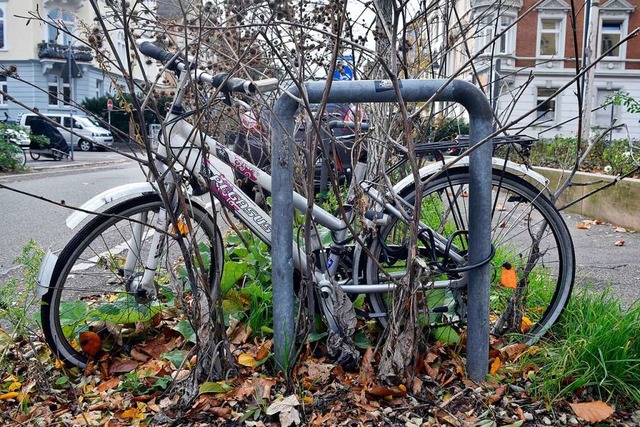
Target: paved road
73,183
600,262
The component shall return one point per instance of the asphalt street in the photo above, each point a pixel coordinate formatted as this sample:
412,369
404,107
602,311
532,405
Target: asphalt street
607,256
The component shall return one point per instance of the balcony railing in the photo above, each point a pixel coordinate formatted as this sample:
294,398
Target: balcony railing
58,51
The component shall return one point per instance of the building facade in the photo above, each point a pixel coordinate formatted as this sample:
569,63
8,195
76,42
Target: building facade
39,51
526,55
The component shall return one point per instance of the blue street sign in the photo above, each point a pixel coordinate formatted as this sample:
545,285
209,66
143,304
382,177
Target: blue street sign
342,71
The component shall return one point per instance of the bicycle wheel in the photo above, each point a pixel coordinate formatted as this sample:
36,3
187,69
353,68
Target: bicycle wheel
530,239
34,156
93,290
19,156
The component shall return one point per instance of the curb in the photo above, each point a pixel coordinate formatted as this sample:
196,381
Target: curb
59,166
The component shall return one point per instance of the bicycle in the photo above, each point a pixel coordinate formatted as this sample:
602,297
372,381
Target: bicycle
122,274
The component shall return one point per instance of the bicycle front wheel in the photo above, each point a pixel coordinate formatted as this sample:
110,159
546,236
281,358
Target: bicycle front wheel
97,303
532,271
19,156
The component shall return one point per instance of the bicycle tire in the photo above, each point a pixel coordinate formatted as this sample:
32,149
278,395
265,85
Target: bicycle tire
19,156
519,210
34,156
89,290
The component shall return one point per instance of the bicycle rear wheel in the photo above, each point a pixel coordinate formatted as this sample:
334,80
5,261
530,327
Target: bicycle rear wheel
19,156
530,239
91,293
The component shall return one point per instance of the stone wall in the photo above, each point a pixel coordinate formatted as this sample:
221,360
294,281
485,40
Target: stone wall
619,204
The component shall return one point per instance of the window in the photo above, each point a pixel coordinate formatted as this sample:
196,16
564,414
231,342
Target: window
52,89
64,26
99,85
606,112
121,47
4,87
57,88
611,34
506,42
546,108
3,39
550,38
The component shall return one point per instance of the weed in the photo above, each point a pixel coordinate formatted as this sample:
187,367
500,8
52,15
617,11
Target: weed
595,348
246,281
17,295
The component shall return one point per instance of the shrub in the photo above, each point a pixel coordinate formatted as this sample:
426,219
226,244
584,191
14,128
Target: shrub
614,158
10,135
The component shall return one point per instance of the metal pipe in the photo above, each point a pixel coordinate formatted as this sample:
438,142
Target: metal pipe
480,126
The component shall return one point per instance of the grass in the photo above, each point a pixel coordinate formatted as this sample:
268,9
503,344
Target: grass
595,348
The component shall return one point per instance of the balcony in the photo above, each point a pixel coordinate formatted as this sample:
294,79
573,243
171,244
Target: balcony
57,51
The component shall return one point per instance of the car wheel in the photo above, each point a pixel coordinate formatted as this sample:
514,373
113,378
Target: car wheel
85,145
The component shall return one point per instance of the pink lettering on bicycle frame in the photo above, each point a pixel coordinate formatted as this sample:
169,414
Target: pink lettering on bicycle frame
245,169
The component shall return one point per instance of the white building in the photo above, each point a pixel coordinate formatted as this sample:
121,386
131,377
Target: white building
40,53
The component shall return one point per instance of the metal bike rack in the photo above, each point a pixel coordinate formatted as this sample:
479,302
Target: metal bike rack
480,127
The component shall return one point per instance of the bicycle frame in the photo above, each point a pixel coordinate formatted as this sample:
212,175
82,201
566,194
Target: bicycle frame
184,145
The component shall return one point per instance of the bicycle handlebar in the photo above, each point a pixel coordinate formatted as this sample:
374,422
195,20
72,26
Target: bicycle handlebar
222,81
155,52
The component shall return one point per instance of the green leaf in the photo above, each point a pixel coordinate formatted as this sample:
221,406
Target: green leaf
176,357
315,336
128,310
215,387
446,334
185,329
72,311
233,271
62,380
361,340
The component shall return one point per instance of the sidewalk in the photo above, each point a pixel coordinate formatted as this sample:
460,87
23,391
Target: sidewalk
80,159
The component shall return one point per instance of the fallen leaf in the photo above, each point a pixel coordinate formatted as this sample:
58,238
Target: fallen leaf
133,413
619,243
263,351
215,387
381,391
321,420
592,412
493,398
122,366
246,359
495,366
285,408
508,277
583,226
108,385
514,351
10,395
620,230
525,324
90,342
416,385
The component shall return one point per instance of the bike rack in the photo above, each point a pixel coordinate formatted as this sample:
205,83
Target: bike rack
480,127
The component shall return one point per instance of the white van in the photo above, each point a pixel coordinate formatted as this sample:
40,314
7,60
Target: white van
87,131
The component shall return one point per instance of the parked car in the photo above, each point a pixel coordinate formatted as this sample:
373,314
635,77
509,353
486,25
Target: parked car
88,133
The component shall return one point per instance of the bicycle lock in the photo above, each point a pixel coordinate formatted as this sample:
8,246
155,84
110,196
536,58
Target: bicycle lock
480,127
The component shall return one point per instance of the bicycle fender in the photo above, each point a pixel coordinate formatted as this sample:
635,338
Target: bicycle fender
106,197
44,274
515,169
